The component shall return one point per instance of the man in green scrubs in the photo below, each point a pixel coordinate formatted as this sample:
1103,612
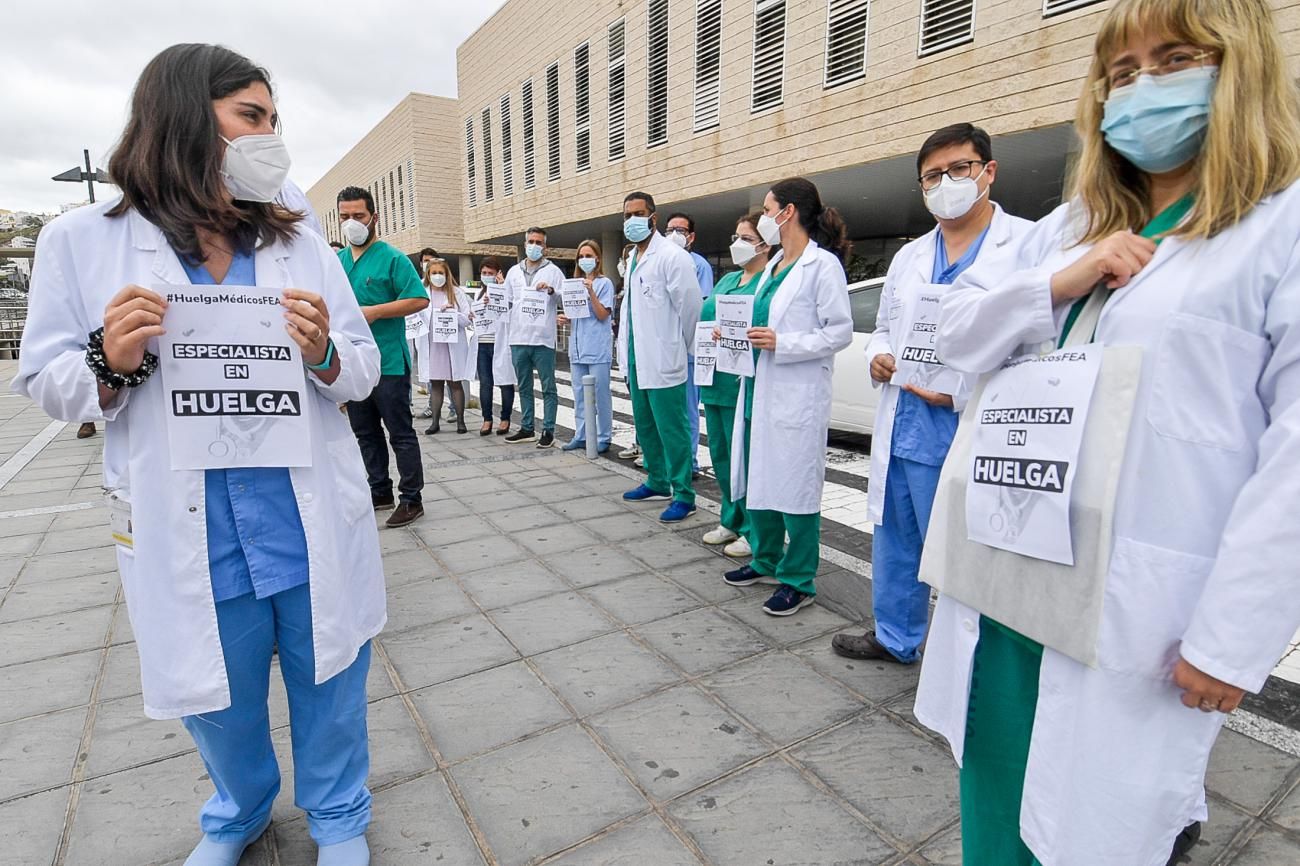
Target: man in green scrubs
388,289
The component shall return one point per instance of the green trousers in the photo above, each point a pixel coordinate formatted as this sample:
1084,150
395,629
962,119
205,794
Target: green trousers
794,565
999,723
665,437
718,422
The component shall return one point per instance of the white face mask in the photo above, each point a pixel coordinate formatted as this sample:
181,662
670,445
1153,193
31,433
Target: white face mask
770,230
622,268
255,167
743,252
587,264
437,280
678,238
953,199
356,232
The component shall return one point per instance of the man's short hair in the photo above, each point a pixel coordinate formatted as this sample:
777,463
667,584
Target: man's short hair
491,262
336,245
643,196
690,223
536,231
958,133
429,251
356,193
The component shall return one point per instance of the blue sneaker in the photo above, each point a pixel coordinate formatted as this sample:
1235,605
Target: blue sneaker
677,512
353,852
210,853
602,448
574,445
644,494
747,576
786,601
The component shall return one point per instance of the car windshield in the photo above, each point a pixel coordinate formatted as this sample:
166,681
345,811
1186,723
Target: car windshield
865,302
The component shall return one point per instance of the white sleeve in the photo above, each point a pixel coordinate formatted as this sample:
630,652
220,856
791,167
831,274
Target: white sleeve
353,342
684,294
834,330
879,343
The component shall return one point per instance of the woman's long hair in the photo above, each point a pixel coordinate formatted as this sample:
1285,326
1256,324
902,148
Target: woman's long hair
595,248
823,224
168,161
1252,145
449,288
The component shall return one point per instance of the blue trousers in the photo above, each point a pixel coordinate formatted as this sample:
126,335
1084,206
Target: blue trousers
331,758
604,402
693,411
900,603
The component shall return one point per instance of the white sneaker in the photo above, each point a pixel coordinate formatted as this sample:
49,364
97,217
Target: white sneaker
639,462
629,453
721,535
738,548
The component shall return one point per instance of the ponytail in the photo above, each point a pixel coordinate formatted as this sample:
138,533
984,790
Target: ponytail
832,234
823,224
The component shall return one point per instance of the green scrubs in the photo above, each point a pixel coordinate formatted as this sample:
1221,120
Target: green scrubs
662,427
719,401
382,275
1004,699
794,565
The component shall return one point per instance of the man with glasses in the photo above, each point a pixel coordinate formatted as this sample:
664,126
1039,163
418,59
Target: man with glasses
918,411
681,231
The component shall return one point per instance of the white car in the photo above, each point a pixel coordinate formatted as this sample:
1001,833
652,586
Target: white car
853,400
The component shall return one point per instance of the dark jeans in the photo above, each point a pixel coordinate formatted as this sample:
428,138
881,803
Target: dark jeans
389,404
486,382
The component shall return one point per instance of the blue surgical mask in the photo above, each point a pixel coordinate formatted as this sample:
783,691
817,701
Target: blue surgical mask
636,228
533,251
1158,122
587,264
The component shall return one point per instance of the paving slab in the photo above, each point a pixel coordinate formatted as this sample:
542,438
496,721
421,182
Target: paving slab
699,641
646,842
604,672
551,622
446,650
38,753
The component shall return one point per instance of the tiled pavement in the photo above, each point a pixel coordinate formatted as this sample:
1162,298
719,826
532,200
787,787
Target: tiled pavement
562,681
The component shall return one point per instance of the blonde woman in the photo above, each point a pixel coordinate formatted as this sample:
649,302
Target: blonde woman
591,350
1182,230
447,365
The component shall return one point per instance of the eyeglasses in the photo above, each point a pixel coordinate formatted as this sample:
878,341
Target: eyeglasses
679,231
956,171
1176,61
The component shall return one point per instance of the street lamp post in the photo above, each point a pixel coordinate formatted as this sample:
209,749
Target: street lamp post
77,175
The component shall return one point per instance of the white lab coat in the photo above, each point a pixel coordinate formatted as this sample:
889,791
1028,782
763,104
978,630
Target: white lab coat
792,386
529,331
910,271
664,295
83,260
503,364
464,352
1205,544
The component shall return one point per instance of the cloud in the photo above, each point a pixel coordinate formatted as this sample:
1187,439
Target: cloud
338,68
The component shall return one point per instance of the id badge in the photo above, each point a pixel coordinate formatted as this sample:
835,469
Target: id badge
119,520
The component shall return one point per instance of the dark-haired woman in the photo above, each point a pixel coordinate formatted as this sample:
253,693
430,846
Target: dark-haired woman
221,565
801,319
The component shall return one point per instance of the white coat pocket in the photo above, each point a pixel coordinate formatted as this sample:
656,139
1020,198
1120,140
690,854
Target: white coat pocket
798,410
1203,390
350,478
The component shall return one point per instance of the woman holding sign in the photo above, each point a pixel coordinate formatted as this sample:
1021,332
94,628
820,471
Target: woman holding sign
1178,247
224,558
719,398
801,319
448,358
591,345
495,368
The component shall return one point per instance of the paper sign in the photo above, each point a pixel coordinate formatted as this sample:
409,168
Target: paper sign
576,300
1025,446
444,326
417,326
917,362
233,378
484,322
706,353
532,305
498,306
735,318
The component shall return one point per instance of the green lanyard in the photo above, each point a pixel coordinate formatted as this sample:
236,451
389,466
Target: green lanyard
1161,224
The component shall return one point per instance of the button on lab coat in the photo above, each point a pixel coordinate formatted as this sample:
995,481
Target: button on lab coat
1205,543
663,295
911,271
83,260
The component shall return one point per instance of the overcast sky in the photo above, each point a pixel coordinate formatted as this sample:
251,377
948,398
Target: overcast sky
69,65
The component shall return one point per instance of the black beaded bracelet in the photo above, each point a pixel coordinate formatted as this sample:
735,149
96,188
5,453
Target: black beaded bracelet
98,364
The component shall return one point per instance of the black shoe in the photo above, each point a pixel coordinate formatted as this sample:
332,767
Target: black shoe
382,503
433,428
461,428
406,513
547,440
503,431
747,576
1184,842
486,429
521,435
864,647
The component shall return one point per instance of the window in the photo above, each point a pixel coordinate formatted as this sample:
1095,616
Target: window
469,161
392,203
401,197
946,24
526,98
410,185
708,63
553,121
617,91
487,154
769,54
383,204
846,40
1053,7
507,157
582,104
657,54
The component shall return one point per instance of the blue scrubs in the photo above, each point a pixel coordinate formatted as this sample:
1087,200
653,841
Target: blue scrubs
257,554
921,438
704,275
591,352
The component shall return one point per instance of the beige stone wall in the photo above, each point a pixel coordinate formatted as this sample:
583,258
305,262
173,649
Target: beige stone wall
1021,72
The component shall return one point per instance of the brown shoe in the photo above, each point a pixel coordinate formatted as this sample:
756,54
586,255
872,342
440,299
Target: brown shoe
404,514
863,646
85,431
